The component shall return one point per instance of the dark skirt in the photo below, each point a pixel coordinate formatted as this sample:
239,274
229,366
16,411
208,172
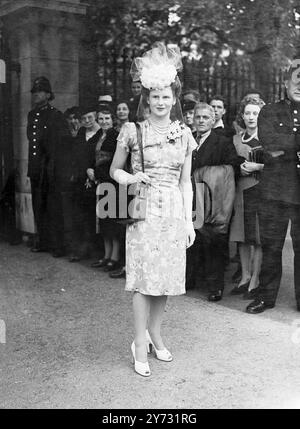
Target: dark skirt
110,228
251,198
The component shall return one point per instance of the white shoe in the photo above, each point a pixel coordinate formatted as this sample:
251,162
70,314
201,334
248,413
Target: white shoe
163,354
141,368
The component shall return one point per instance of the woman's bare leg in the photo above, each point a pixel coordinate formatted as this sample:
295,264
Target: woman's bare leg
115,249
245,256
107,248
141,306
157,308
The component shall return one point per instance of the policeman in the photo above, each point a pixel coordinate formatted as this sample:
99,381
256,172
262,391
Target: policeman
278,125
46,127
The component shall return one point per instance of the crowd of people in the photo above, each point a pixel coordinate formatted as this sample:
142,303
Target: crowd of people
72,156
225,183
87,142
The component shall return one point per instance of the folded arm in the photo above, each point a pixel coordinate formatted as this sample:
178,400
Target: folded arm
277,139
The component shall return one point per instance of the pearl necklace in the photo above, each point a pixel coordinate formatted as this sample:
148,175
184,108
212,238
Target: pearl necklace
161,130
253,136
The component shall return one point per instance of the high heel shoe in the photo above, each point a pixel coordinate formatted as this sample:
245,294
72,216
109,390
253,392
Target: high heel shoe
238,290
101,263
111,266
141,368
162,354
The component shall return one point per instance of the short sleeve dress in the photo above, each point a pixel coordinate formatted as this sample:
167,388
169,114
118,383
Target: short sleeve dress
156,247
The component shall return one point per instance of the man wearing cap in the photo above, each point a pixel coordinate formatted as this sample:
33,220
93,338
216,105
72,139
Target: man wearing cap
278,125
46,128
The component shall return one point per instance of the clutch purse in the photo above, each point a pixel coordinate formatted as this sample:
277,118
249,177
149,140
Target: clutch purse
136,193
256,154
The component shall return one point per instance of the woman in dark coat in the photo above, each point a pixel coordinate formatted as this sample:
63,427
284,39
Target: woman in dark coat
104,152
244,225
83,191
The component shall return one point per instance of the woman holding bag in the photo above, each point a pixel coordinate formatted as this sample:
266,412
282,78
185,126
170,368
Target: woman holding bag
244,226
104,153
156,246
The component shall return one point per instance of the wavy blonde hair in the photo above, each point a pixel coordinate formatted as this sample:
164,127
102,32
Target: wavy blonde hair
245,101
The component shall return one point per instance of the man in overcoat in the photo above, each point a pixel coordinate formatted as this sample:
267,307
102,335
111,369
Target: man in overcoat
209,251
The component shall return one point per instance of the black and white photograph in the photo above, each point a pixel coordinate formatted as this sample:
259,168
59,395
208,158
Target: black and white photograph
149,207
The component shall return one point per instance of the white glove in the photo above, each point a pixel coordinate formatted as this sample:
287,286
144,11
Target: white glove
190,234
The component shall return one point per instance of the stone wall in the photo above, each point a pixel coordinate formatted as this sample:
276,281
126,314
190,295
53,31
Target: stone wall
45,39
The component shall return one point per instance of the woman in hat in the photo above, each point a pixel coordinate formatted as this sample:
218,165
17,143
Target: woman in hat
99,173
156,246
188,114
83,216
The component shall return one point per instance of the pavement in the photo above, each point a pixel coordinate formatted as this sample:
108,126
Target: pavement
66,329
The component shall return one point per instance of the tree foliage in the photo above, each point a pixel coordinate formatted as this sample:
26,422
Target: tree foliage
213,28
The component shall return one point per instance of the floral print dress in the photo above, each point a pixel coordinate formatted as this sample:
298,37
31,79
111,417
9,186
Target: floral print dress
156,247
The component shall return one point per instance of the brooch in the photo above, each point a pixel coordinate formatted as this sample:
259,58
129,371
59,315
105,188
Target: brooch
175,131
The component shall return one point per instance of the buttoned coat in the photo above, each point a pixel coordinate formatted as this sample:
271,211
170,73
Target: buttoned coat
46,129
277,132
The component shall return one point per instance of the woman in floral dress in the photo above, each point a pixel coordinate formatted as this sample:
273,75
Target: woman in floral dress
156,247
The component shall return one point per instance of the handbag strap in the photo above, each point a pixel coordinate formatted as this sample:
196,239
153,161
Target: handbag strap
140,143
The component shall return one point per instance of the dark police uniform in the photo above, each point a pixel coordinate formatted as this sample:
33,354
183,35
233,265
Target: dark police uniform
278,125
46,129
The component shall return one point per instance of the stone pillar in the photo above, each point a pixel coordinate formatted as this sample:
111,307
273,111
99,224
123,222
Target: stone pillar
44,40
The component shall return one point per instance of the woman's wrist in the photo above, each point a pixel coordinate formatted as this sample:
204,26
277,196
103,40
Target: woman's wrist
122,177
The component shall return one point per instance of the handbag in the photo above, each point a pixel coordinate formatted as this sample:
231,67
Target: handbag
256,154
134,194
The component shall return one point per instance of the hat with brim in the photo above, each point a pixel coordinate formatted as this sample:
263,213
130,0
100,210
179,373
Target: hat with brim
42,84
188,105
84,110
105,99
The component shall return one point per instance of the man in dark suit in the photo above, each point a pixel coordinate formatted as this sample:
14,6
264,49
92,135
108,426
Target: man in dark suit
46,129
210,248
218,103
278,125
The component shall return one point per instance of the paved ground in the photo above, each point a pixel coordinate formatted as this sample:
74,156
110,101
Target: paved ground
69,329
